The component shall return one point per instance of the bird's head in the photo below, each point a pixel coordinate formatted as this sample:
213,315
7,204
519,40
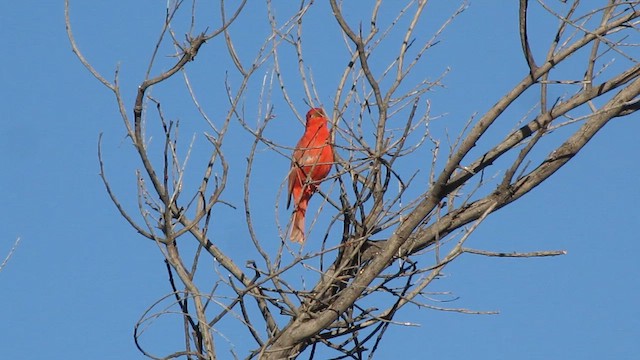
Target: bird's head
316,115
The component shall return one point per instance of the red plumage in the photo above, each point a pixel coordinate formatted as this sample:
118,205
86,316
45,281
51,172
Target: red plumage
311,163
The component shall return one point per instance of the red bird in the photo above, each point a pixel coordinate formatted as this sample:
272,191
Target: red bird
311,163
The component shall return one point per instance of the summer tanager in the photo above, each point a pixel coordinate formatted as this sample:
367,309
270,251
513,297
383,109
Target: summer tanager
311,163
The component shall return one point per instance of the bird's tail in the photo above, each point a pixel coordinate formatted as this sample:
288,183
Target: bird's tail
297,224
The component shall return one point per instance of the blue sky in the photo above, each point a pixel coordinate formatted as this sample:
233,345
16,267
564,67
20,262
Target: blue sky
81,277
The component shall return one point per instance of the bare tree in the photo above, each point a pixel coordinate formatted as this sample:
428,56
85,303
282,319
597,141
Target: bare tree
403,198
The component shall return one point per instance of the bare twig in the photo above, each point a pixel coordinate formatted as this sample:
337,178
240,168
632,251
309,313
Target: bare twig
10,254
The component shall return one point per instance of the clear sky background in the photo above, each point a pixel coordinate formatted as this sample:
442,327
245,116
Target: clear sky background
81,277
